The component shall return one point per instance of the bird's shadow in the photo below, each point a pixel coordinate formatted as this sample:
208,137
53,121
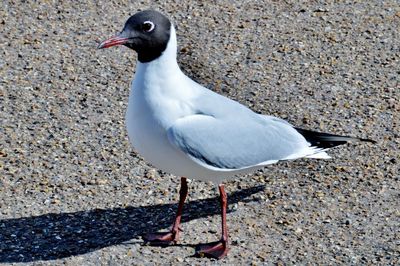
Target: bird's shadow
54,236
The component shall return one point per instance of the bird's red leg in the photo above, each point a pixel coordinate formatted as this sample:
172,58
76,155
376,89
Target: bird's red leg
220,248
173,235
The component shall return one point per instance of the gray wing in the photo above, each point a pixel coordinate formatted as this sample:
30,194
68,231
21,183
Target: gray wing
235,142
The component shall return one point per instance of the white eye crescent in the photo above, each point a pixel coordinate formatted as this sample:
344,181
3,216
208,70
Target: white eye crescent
148,26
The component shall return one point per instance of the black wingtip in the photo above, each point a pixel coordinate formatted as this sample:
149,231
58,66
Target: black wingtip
326,140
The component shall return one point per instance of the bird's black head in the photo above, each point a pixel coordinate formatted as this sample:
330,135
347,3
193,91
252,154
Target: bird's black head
146,32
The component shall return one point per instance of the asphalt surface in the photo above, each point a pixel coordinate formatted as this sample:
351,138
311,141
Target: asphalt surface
73,191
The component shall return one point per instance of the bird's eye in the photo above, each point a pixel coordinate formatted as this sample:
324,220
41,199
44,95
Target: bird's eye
148,26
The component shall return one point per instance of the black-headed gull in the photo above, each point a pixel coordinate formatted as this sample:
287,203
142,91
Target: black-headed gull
189,131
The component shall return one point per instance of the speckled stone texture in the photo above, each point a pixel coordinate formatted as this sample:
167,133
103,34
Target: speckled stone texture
73,191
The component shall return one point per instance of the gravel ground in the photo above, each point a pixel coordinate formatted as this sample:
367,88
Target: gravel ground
73,191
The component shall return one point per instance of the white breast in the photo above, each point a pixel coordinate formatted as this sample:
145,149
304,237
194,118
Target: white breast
150,113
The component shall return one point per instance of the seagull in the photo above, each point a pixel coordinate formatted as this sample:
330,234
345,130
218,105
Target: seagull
190,131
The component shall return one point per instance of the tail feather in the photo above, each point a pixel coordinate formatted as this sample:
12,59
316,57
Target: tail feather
326,140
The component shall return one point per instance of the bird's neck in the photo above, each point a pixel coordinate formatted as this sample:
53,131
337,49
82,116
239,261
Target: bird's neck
166,63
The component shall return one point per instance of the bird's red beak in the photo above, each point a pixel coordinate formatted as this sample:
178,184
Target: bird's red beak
116,40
